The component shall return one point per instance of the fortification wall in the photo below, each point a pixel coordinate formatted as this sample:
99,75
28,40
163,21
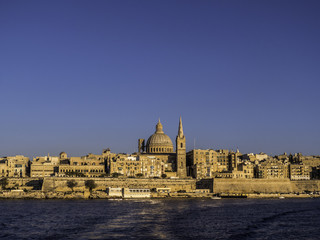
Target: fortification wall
306,185
217,185
32,183
245,186
60,184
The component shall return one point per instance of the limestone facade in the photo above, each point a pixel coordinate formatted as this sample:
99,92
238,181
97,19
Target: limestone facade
311,161
141,165
207,163
272,169
299,172
45,166
244,170
202,163
87,166
14,166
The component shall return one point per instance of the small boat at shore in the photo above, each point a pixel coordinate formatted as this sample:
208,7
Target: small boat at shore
281,197
233,195
215,198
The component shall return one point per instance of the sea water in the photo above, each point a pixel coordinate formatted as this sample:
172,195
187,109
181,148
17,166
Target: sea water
160,219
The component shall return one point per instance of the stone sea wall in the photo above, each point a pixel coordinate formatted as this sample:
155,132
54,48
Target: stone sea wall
53,184
25,183
58,185
221,185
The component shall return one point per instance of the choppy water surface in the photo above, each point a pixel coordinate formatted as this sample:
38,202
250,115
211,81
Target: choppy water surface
160,219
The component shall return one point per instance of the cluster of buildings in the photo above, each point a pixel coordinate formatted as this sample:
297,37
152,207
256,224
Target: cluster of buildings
157,158
228,164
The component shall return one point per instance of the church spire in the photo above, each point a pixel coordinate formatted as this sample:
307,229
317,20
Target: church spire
180,131
181,152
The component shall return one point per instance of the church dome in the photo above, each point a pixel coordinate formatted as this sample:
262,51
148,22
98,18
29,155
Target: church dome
159,142
63,155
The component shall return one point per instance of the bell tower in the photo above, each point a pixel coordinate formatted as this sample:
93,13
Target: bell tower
181,152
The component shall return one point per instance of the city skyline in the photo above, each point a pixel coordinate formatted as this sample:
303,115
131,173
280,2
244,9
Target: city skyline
79,76
135,151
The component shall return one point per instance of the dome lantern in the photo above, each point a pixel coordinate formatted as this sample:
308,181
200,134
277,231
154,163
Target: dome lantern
159,128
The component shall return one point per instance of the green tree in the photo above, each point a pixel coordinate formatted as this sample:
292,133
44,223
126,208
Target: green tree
163,175
90,184
71,184
4,182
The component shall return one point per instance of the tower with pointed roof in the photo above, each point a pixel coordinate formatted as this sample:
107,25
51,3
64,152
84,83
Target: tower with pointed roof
181,152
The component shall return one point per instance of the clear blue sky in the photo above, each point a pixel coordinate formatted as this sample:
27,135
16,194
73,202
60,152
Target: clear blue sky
80,76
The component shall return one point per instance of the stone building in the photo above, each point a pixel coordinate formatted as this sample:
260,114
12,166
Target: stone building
14,166
227,160
304,167
136,166
249,157
207,163
299,172
91,165
46,166
311,161
261,156
254,157
244,170
124,164
3,168
202,163
283,157
272,168
152,166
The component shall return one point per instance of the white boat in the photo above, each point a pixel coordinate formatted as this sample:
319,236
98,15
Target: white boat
215,198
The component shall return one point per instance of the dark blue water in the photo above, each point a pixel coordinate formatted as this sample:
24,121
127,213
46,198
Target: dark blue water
160,219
